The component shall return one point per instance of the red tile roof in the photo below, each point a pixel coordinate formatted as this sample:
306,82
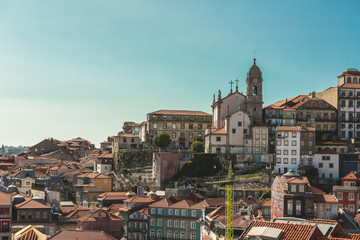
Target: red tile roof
219,131
267,203
294,128
5,199
81,235
291,230
93,175
327,151
352,175
32,204
181,112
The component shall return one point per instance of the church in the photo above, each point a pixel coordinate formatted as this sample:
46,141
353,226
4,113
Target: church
237,125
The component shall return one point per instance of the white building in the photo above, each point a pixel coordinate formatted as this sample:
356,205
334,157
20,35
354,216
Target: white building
327,163
294,146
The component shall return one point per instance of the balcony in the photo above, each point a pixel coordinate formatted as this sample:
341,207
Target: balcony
134,229
346,188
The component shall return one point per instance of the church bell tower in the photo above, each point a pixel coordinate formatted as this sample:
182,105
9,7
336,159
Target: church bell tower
254,93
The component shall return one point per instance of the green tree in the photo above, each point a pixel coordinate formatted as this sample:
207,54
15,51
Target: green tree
198,147
162,140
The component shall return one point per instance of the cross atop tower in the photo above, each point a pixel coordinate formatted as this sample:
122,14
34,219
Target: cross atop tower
237,87
231,83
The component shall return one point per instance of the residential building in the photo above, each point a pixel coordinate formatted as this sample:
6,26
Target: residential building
346,98
104,163
125,141
327,163
303,110
35,212
348,192
295,145
89,186
183,126
138,224
108,198
175,219
266,209
291,195
5,216
101,220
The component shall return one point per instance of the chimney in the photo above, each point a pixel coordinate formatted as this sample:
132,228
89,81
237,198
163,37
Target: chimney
313,93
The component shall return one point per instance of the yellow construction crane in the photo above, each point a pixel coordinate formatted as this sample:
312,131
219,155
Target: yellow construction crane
229,203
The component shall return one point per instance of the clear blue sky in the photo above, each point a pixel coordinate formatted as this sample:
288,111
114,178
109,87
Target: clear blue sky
82,68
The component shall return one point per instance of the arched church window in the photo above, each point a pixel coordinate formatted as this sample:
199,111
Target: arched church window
349,80
355,80
255,90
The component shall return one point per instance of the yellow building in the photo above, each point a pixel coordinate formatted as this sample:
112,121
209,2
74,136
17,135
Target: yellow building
89,186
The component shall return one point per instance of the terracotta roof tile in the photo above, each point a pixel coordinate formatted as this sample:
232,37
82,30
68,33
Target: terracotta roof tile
327,151
291,230
81,235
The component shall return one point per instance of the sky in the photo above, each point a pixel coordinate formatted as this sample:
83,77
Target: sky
82,68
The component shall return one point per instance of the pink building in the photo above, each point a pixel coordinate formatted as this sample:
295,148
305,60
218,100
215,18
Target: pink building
165,166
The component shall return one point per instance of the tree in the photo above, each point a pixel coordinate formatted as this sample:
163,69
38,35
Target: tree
198,147
162,140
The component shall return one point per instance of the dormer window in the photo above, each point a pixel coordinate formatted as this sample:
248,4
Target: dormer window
349,80
293,188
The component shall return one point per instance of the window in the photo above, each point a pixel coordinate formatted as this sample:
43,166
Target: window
325,157
177,212
174,135
45,215
278,142
170,212
278,152
302,143
310,143
193,236
290,208
200,126
286,161
339,196
152,222
182,224
152,233
193,213
182,126
23,215
5,227
105,179
218,139
278,160
293,152
159,222
331,165
170,223
286,152
233,130
160,211
152,210
218,150
176,223
286,143
351,197
99,188
239,124
293,160
174,125
293,142
298,207
37,215
183,212
320,165
182,235
301,188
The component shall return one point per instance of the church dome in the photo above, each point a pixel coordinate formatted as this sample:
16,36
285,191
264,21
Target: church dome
254,68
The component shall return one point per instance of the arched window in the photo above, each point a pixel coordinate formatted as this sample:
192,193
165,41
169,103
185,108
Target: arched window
349,80
255,90
355,80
